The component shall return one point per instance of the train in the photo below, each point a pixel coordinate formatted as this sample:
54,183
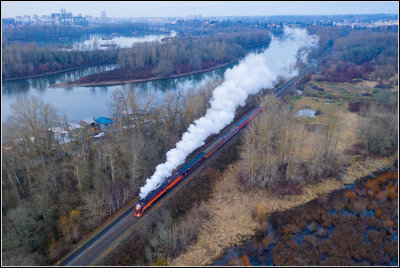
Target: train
180,174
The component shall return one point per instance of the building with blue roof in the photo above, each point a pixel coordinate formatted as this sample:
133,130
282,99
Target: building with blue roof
103,122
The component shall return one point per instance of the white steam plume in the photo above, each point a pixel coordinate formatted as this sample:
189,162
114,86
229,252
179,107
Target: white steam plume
253,73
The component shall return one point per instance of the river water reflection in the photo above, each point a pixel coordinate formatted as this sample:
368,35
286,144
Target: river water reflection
82,102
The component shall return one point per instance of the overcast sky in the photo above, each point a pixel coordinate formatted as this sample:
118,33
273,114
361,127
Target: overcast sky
211,8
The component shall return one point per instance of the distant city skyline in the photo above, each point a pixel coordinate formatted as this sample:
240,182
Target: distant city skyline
208,9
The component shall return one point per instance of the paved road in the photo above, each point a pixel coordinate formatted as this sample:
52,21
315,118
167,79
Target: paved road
114,233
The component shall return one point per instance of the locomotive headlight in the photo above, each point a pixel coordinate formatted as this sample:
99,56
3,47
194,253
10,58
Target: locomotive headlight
138,206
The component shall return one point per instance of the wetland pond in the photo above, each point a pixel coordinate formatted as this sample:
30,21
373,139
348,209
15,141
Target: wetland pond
355,225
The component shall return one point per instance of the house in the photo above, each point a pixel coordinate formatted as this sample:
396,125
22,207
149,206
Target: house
87,122
73,126
103,123
60,135
90,123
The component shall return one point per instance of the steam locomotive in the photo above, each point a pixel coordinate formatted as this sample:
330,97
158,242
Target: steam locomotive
196,161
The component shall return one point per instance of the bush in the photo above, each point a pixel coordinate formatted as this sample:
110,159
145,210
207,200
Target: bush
161,263
356,106
288,189
130,253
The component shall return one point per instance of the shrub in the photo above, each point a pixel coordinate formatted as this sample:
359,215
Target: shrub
350,195
161,263
288,189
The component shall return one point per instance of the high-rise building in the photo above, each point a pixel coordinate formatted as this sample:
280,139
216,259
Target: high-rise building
103,15
63,11
55,18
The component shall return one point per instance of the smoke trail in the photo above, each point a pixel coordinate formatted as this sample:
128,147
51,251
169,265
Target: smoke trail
254,72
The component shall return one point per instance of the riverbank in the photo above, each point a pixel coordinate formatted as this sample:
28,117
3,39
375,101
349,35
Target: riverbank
50,73
121,82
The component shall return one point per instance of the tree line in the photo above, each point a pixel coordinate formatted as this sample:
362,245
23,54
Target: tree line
362,53
29,33
190,51
182,55
211,27
30,59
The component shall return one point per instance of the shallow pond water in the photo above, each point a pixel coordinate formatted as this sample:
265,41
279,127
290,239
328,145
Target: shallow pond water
350,226
306,113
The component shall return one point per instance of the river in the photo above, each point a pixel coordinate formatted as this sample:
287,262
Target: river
78,103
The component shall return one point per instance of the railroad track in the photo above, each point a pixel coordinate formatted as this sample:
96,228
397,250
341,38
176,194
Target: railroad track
287,87
108,238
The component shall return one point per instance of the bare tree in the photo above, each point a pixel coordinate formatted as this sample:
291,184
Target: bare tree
94,209
119,110
325,161
378,131
272,149
171,111
264,145
133,152
28,131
